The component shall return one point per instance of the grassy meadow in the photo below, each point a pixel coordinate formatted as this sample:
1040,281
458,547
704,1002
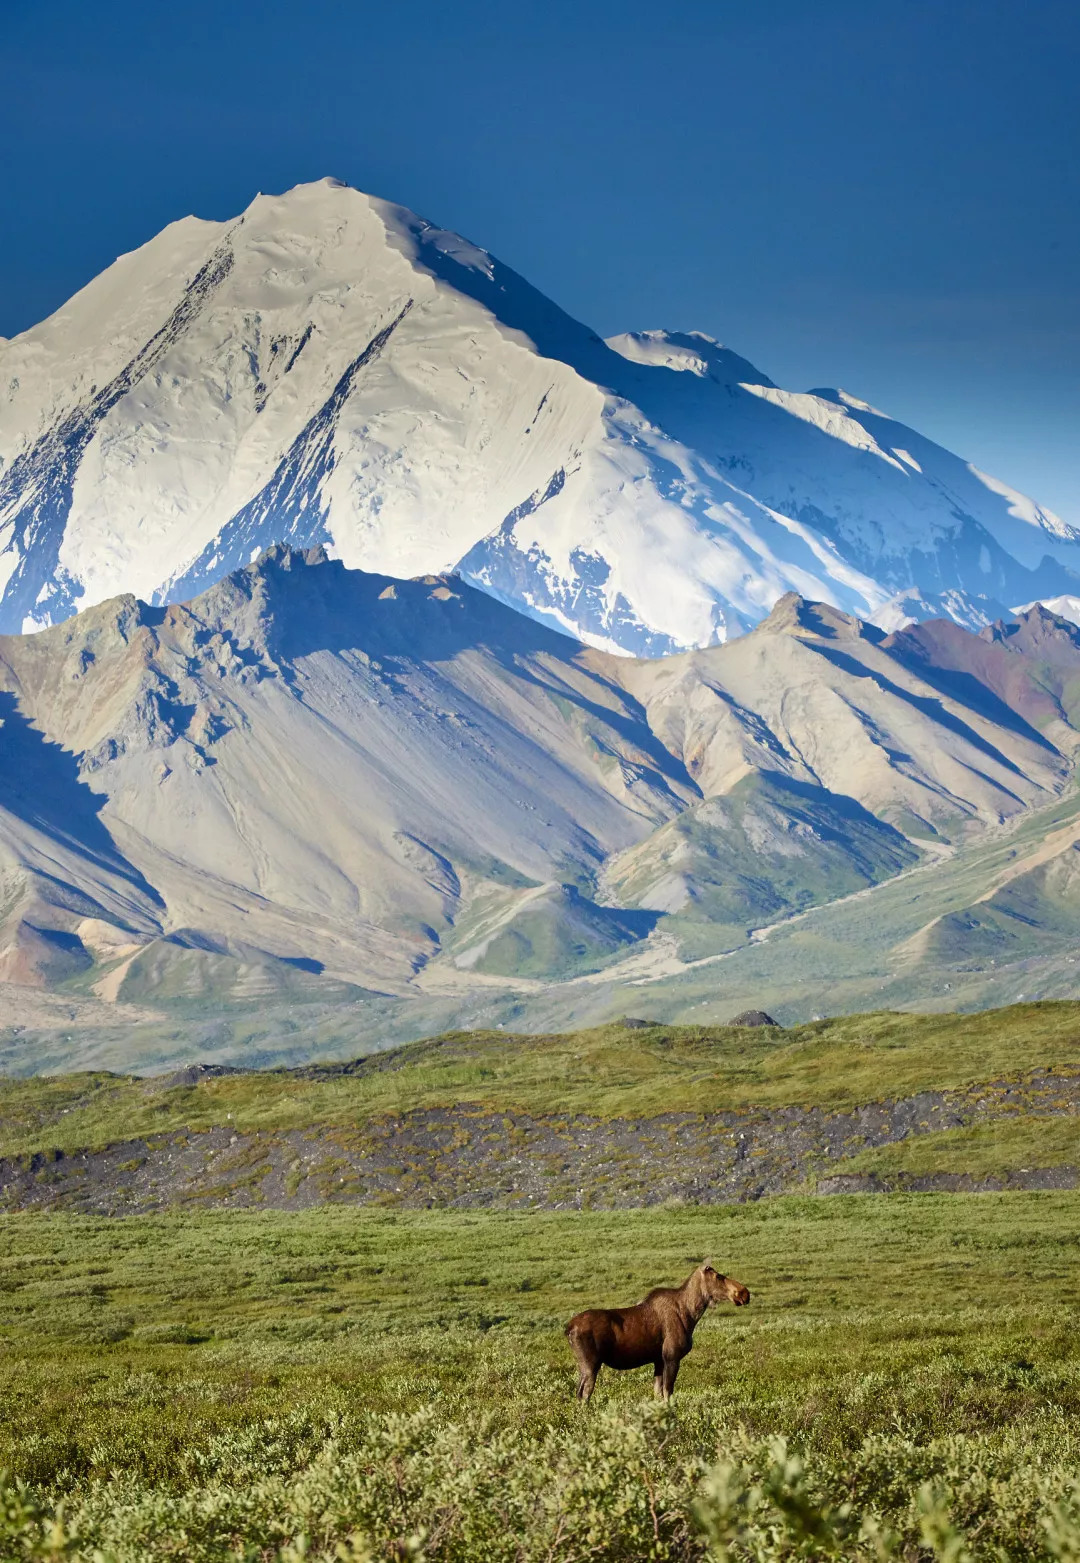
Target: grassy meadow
364,1384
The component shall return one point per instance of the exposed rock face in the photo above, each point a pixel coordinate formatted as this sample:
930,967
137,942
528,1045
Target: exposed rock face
752,1017
191,1075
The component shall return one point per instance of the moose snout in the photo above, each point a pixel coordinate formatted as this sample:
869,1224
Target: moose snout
742,1297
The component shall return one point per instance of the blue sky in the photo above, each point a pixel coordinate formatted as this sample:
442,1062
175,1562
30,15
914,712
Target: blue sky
881,196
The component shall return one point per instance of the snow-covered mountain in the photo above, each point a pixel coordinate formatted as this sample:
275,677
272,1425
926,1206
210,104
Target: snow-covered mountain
329,368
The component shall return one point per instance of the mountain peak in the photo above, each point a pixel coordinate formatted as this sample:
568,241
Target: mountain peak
292,601
284,556
332,369
1037,631
313,770
795,615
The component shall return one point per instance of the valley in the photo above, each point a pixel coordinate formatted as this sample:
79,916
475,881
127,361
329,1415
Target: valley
537,856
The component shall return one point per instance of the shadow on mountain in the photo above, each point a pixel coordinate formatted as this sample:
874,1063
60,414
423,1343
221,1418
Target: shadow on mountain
933,709
316,604
969,690
708,414
772,847
313,603
40,785
840,805
562,934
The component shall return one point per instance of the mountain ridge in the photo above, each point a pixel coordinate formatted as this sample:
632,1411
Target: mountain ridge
317,786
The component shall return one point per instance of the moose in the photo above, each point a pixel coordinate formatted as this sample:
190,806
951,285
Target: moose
659,1330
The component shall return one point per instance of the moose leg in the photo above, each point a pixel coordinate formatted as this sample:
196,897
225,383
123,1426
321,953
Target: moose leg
658,1380
586,1357
586,1383
671,1369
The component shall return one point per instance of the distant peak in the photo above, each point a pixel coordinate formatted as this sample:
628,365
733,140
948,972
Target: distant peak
795,615
691,351
285,557
1054,609
1039,629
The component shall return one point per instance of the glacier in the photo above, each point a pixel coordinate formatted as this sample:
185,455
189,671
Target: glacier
330,369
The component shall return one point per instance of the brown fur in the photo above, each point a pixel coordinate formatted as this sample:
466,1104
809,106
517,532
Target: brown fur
659,1330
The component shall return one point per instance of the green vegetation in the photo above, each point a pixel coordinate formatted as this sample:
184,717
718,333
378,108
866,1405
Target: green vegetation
610,1071
766,849
897,944
1034,914
165,973
1011,1144
361,1385
557,933
881,948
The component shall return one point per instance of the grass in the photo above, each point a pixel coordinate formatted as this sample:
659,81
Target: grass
359,1384
850,955
868,951
348,1384
1012,1144
609,1071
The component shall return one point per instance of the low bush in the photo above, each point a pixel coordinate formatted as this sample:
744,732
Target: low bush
648,1483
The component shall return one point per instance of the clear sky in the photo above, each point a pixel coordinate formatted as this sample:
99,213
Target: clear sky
884,196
